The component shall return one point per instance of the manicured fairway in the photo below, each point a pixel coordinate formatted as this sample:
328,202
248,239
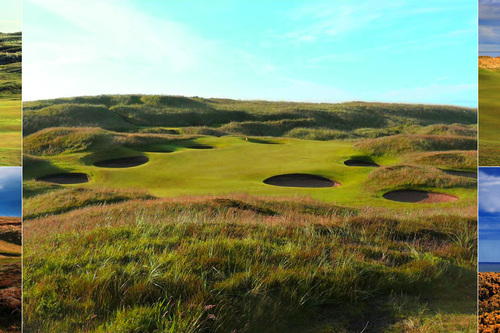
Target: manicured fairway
236,165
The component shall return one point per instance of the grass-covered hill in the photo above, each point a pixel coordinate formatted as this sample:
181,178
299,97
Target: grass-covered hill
168,114
174,223
10,274
10,99
489,117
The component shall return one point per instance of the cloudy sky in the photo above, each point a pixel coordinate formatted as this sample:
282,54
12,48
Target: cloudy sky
10,191
323,51
489,27
489,214
10,15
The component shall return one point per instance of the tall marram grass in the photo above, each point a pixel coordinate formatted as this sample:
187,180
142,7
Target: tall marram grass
241,264
398,144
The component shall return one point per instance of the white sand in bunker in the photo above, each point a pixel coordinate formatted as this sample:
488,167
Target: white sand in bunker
415,196
66,178
360,163
300,180
124,162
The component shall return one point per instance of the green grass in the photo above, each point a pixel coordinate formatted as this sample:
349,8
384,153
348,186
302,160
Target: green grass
199,266
235,165
10,100
194,241
489,120
232,117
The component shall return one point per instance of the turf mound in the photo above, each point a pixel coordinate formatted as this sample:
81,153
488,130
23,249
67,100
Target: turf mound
418,196
300,180
360,163
200,147
66,178
124,162
462,173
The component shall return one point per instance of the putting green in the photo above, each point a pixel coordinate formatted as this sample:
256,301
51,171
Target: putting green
236,165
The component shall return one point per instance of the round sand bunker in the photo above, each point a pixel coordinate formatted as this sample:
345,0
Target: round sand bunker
359,163
416,196
300,180
124,162
66,178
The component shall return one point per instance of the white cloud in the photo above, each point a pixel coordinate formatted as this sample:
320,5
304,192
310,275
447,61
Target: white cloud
489,193
10,177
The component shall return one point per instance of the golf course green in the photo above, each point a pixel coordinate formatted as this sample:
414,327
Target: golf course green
175,214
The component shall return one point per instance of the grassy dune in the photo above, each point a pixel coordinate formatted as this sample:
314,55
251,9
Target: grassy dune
489,120
10,274
195,241
10,99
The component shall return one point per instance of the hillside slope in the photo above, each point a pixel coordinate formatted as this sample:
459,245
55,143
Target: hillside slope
10,99
177,114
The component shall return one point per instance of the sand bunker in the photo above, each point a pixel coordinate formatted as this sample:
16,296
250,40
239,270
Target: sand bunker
200,147
124,162
66,178
416,196
359,163
462,173
300,180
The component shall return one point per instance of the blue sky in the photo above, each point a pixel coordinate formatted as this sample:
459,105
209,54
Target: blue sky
10,191
489,214
489,27
321,51
10,15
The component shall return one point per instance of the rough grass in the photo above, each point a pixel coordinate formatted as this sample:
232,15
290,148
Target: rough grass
443,129
458,159
317,134
73,115
10,274
397,144
131,112
489,120
415,177
201,266
56,141
56,202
